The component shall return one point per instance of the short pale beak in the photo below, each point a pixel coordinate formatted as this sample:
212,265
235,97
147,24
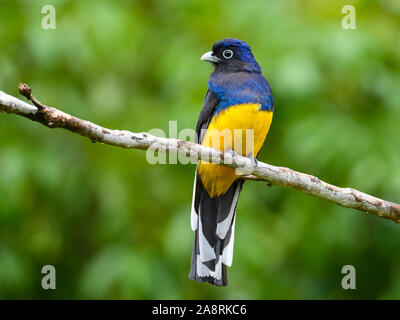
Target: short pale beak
209,57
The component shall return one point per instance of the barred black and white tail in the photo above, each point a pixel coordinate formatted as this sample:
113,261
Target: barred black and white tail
213,220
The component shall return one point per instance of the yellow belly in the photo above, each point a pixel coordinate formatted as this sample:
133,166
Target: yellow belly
242,128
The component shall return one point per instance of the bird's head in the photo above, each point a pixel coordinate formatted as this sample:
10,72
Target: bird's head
232,55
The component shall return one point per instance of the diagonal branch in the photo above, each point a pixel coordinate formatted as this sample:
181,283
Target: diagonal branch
54,118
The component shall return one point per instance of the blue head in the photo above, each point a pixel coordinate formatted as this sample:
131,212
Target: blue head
232,55
237,77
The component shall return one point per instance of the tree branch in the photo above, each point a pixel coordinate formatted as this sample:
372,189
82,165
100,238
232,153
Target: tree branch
54,118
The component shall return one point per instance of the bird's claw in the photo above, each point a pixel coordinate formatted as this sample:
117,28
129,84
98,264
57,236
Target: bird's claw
254,161
233,152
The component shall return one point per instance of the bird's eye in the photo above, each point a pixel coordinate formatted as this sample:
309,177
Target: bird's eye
227,54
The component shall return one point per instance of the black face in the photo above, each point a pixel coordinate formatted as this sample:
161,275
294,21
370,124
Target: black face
224,53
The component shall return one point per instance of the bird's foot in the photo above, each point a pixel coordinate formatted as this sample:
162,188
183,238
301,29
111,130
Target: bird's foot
233,153
254,160
248,169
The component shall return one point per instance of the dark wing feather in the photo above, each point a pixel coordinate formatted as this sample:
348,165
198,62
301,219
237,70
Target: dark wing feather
207,111
206,114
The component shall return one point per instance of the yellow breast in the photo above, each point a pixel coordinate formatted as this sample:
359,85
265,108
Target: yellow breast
242,128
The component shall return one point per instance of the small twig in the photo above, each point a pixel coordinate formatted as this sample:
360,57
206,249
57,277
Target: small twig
26,91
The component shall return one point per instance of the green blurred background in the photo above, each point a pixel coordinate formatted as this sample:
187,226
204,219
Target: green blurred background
116,227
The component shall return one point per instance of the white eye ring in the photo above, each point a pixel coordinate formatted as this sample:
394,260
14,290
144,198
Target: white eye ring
227,54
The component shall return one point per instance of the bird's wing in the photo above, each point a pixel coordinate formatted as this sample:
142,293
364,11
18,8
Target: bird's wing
207,111
206,114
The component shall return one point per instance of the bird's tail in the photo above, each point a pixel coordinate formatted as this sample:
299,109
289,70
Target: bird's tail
213,220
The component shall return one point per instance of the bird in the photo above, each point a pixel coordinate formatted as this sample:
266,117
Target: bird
238,98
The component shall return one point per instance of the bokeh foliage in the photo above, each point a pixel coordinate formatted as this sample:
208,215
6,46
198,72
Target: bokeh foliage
116,227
